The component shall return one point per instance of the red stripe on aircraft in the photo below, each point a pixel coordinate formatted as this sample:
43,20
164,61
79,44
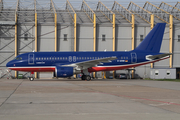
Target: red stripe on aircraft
34,69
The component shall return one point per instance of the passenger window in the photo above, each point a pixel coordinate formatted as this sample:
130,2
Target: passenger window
36,58
44,58
47,58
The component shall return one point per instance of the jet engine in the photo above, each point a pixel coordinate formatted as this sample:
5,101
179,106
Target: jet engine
64,71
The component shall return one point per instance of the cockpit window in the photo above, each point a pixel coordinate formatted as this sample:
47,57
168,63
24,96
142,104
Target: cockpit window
18,58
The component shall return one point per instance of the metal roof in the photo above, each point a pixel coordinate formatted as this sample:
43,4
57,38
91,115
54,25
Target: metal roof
26,9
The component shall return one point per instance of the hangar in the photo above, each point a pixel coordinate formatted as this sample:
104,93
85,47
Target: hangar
27,25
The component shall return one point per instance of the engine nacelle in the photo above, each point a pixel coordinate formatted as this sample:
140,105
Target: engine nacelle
64,71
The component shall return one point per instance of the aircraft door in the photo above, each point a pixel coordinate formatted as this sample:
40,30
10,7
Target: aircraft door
74,58
31,59
133,58
70,58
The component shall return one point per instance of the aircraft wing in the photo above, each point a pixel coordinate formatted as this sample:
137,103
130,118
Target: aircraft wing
153,57
91,63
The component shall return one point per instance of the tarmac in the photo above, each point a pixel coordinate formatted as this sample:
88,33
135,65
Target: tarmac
101,99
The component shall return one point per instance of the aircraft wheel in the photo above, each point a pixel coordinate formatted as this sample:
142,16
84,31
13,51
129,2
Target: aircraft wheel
31,79
83,77
88,78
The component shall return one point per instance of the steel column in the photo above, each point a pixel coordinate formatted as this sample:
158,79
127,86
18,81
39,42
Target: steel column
170,38
152,21
75,23
16,40
114,26
55,24
94,37
94,32
75,32
36,40
132,35
152,25
132,31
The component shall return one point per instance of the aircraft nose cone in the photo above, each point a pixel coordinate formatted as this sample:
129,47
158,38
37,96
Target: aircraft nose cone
9,64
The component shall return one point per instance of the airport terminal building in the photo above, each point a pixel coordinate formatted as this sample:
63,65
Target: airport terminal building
36,25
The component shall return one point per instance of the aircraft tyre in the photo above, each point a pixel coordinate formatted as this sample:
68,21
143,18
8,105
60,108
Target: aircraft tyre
88,78
31,79
83,77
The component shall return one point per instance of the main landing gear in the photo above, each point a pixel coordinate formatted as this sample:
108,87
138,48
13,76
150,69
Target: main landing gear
86,77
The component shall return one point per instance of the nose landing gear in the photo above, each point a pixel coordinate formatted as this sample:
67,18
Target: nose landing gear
31,78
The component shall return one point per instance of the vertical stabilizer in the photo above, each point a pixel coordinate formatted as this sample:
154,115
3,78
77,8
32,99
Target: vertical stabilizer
152,42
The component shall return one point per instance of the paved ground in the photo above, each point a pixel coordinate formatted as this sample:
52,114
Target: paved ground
89,100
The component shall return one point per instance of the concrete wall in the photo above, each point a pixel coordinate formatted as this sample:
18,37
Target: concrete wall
104,29
163,73
85,39
176,47
123,38
64,45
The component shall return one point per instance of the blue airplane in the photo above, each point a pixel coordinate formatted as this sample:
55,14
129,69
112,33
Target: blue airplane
66,64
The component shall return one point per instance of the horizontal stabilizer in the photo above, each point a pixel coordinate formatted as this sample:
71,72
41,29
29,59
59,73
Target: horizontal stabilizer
153,57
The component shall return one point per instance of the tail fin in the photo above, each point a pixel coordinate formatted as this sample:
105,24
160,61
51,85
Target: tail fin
152,42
